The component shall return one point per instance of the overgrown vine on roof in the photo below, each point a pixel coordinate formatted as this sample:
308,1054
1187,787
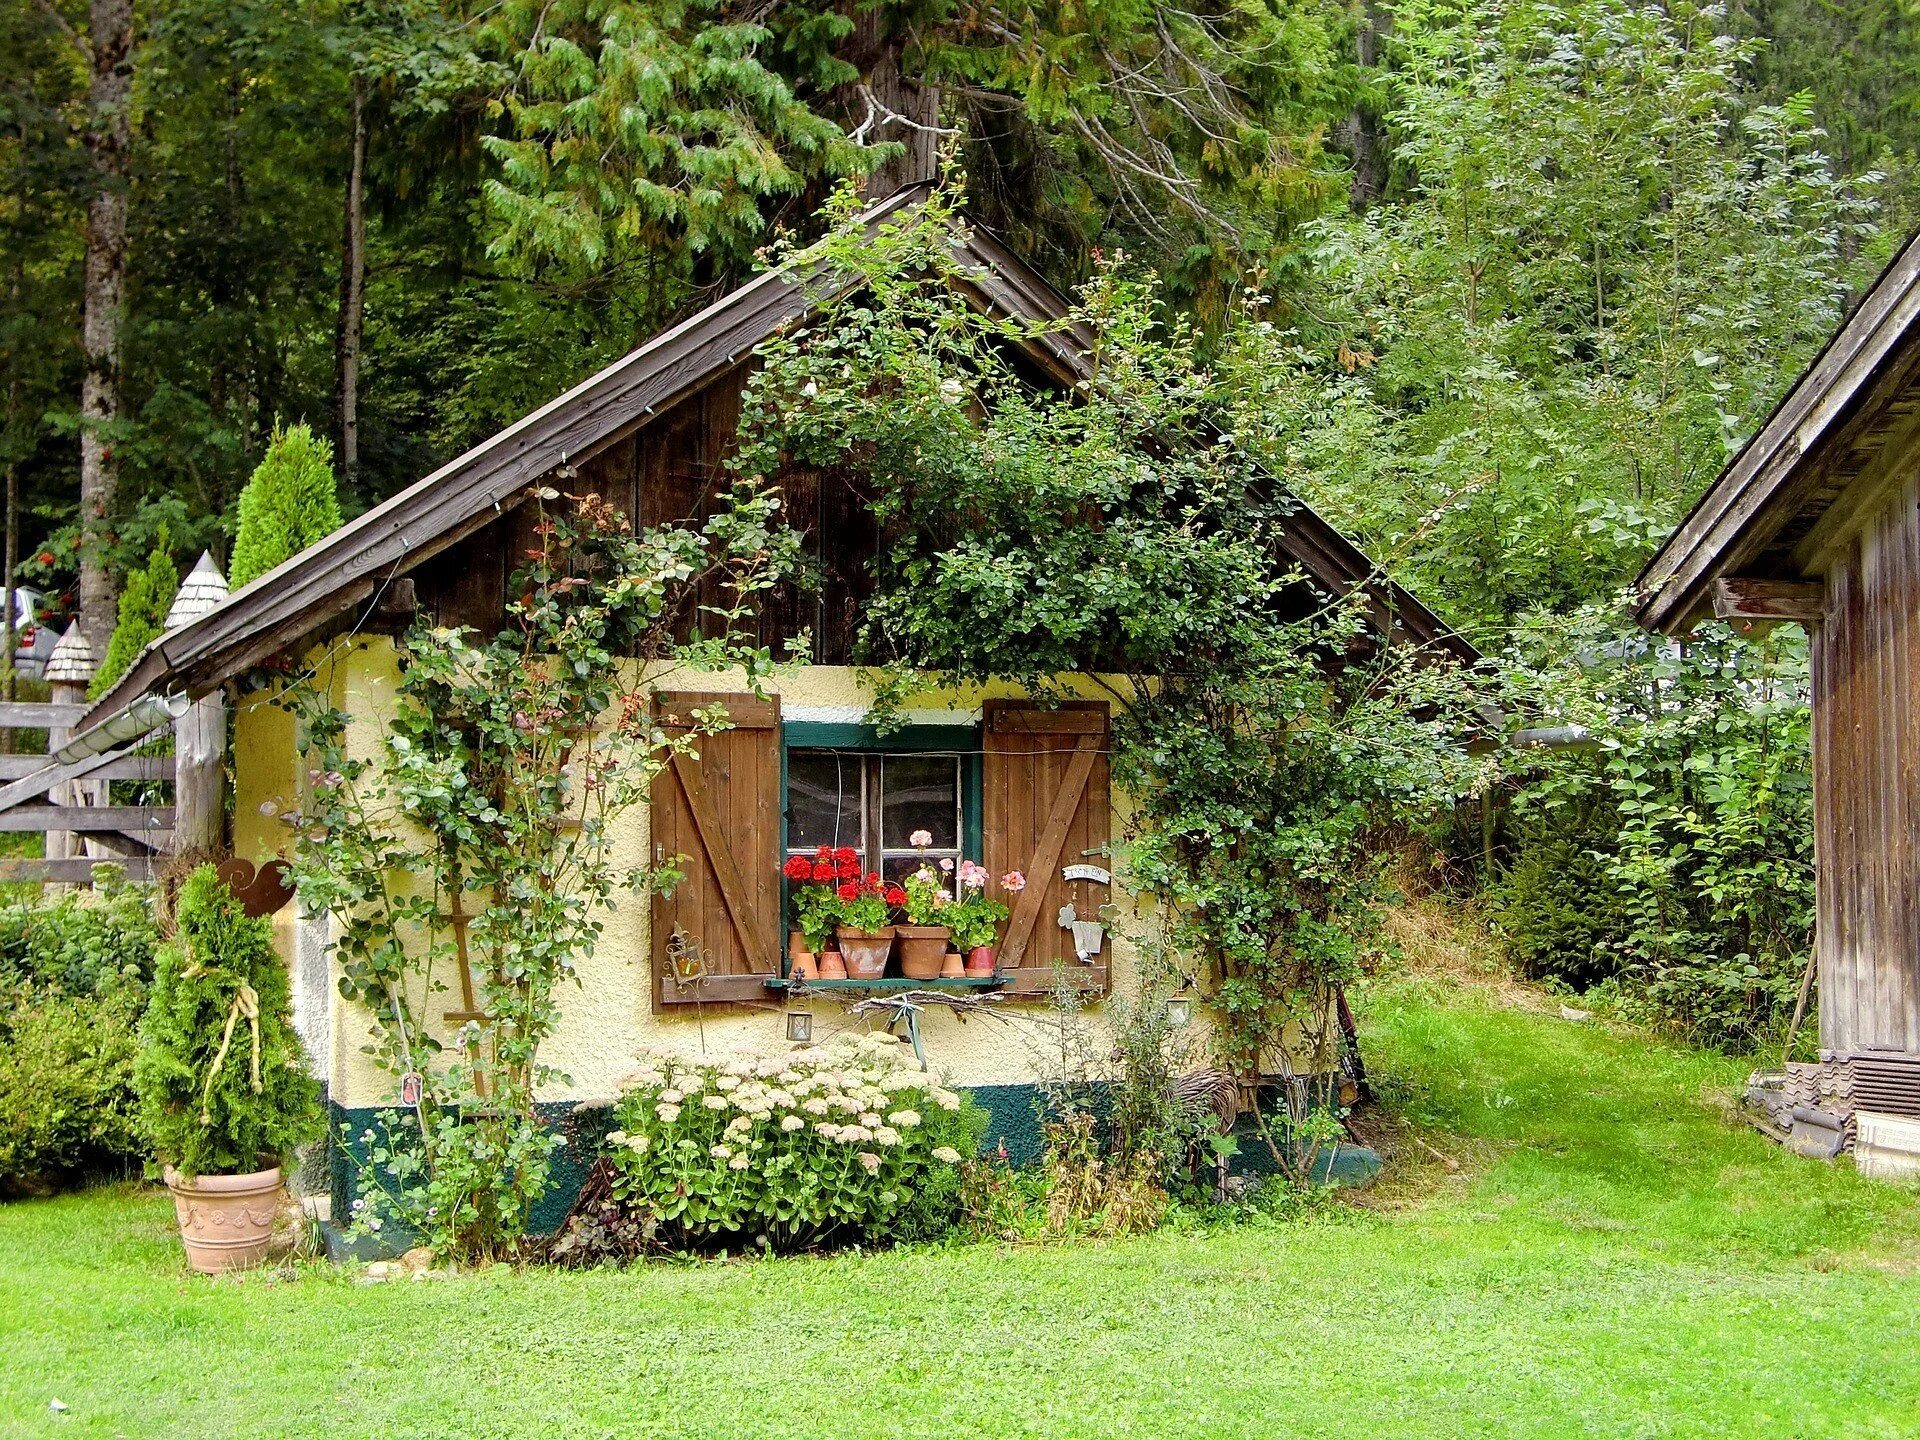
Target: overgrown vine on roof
1106,523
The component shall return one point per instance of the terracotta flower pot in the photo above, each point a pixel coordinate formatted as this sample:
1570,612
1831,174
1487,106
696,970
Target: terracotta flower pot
866,951
923,949
832,967
951,967
980,961
800,961
226,1221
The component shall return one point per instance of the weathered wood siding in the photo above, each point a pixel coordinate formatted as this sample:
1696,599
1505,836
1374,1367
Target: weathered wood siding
672,468
1866,756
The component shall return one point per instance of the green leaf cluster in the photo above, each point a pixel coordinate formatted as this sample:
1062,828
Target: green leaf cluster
1669,869
1602,261
222,1080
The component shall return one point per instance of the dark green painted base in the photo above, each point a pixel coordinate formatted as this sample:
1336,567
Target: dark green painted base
1013,1129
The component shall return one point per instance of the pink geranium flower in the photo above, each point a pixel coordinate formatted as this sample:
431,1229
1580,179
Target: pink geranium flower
920,839
1013,881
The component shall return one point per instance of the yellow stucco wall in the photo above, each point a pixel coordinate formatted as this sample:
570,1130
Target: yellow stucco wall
607,1018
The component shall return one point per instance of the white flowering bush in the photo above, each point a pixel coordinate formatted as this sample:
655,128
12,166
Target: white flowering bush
839,1142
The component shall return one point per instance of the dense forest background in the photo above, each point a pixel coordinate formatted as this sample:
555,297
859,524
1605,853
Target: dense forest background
409,223
1498,284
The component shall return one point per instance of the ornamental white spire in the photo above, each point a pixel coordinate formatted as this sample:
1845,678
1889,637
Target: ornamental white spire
204,589
72,661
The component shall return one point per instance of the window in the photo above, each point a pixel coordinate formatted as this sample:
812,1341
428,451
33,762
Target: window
874,801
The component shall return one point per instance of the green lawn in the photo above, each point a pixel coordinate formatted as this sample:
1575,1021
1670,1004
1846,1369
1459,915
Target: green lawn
1617,1256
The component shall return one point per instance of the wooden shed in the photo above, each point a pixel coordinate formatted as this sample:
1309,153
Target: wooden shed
1816,522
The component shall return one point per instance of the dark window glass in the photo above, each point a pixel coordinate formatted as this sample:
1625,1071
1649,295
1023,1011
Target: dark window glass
824,799
920,792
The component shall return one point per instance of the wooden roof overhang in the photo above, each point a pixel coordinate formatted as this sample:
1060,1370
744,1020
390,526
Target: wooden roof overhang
350,568
1777,513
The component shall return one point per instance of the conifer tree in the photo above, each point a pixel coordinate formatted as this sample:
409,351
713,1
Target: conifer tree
221,1077
288,504
144,601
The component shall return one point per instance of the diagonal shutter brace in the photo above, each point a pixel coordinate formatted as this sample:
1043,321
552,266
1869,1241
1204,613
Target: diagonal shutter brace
97,745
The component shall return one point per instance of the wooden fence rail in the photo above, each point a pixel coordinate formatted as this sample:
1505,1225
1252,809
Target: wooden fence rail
84,828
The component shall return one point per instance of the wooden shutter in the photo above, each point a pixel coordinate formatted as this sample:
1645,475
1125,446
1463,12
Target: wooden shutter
1046,805
720,812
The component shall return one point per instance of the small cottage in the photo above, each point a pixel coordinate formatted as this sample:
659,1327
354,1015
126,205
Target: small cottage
987,775
1816,522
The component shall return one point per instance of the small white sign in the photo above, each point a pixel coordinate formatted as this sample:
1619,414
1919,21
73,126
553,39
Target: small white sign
1088,872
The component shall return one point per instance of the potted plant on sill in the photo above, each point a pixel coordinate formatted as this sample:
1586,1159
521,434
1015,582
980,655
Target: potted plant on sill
866,939
975,919
223,1085
924,898
810,896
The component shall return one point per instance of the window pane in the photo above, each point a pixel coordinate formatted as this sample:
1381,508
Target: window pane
920,792
823,799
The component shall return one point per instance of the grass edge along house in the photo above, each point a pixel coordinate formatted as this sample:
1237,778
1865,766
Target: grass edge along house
1816,522
982,776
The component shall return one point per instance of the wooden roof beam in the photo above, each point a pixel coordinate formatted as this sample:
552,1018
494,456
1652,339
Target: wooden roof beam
1753,604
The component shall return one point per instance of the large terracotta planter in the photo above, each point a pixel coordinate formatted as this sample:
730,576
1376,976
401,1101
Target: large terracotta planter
923,950
226,1221
865,952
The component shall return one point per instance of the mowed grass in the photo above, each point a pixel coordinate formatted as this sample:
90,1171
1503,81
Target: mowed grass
1616,1255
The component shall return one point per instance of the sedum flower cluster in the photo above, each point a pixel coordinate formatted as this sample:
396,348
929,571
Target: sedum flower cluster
840,1141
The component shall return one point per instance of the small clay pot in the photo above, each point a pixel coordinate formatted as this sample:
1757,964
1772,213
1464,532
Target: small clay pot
980,961
832,967
952,968
923,950
226,1221
800,962
865,952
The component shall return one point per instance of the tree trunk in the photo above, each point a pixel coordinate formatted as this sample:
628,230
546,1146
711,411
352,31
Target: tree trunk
1362,131
899,107
12,563
108,141
353,286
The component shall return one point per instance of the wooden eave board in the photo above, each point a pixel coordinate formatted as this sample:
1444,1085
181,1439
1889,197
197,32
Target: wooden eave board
1795,465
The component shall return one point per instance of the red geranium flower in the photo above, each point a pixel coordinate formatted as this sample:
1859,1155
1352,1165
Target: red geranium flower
848,891
798,867
847,869
895,895
825,852
873,880
822,870
846,853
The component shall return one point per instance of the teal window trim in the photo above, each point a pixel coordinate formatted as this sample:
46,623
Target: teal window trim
963,740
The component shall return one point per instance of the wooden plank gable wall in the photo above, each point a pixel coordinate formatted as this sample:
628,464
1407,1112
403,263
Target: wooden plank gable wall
1866,757
670,468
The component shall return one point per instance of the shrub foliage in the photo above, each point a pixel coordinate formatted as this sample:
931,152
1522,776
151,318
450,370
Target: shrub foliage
844,1141
223,1084
73,978
289,503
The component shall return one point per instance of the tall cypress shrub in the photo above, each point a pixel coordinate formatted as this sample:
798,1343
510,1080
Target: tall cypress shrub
288,504
222,1081
144,601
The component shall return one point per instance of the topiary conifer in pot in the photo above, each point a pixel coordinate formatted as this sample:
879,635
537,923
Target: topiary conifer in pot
223,1085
